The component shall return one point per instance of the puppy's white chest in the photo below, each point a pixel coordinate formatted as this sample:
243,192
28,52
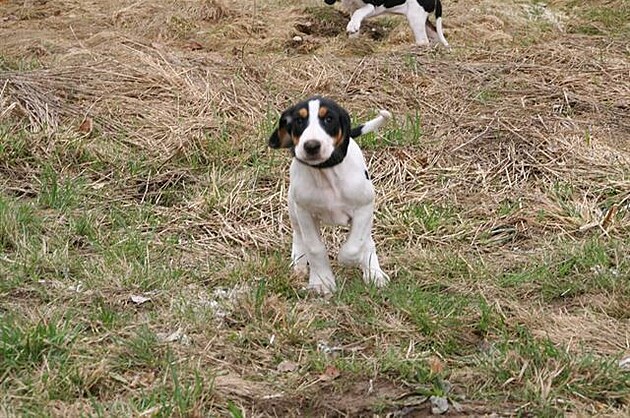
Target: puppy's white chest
332,213
331,195
327,202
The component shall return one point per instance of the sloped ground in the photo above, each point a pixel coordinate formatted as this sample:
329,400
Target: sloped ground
144,239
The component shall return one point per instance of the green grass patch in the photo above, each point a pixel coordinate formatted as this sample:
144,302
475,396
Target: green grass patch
26,344
602,20
543,376
594,266
20,224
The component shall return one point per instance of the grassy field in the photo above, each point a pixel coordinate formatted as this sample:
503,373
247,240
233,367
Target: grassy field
145,242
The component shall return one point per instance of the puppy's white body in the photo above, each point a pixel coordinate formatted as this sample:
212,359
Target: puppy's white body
333,194
329,184
340,195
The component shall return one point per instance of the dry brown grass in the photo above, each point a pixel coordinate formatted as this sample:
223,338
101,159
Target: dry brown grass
524,146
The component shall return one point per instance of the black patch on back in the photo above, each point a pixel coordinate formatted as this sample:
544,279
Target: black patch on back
427,5
387,3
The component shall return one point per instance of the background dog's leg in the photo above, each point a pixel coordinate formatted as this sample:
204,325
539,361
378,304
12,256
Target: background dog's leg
432,34
357,17
299,260
321,278
359,248
417,17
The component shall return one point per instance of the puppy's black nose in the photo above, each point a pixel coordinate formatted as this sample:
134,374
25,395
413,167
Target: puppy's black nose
312,146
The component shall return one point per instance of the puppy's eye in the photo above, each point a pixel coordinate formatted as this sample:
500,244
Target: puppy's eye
328,120
300,121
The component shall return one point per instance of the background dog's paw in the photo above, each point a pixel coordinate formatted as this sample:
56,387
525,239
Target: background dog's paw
353,28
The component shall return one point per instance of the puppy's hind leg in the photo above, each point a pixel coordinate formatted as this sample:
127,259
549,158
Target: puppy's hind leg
359,249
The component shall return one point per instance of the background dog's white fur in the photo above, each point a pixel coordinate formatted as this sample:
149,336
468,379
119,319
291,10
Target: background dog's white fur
416,16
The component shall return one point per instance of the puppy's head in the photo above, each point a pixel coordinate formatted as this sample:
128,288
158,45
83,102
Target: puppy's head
316,130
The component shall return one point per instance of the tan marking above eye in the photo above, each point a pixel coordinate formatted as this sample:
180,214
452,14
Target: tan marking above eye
296,139
303,113
323,111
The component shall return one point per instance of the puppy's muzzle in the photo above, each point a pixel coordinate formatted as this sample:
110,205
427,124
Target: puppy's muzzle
312,147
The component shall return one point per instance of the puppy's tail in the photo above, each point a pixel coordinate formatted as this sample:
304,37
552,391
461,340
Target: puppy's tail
372,125
438,23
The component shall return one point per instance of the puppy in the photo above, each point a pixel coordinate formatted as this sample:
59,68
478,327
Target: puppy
329,183
416,11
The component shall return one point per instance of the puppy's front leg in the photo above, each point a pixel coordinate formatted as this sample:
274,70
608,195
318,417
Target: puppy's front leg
357,17
359,248
321,278
299,258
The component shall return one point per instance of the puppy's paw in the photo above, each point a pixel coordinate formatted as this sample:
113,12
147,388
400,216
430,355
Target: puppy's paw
321,288
299,262
377,277
353,28
300,269
324,286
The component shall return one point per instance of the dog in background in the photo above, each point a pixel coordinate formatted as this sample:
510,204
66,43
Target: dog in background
416,11
329,183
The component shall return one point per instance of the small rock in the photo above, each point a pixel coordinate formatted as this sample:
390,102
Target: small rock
330,373
86,126
323,347
287,366
77,288
178,335
194,46
297,38
139,300
439,405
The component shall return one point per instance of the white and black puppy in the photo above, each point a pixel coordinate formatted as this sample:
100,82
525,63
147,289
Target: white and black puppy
329,183
416,11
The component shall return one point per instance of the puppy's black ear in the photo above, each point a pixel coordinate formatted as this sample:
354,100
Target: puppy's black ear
281,137
344,124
